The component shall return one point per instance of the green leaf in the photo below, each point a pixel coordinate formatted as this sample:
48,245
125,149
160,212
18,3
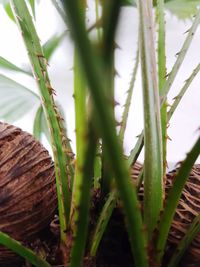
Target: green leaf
173,199
5,64
40,125
183,9
102,223
8,9
32,4
15,99
3,2
24,252
52,44
59,9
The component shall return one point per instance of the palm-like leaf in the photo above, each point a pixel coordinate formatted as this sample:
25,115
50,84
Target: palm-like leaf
5,64
15,99
52,44
183,9
40,125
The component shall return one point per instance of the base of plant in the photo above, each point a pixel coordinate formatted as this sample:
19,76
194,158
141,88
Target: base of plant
114,250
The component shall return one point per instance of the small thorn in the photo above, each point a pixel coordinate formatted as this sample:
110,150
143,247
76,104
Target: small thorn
178,164
186,31
174,98
119,123
116,46
116,103
168,138
169,105
116,73
167,75
19,18
167,165
40,55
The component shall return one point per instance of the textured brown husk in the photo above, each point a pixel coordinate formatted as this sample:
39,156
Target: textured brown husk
187,210
27,187
114,248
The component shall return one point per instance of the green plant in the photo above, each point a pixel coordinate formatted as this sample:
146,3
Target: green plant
147,227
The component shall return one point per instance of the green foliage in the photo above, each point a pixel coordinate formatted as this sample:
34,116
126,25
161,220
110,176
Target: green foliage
52,44
9,12
173,198
82,219
162,74
106,125
183,9
5,64
21,250
96,135
128,3
40,125
58,139
153,169
128,99
15,99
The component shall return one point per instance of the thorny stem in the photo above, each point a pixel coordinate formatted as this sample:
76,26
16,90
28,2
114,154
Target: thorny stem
58,139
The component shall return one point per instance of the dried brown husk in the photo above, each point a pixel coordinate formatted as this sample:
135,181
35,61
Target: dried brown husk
27,187
187,210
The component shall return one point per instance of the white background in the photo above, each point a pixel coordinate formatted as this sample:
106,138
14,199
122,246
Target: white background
185,122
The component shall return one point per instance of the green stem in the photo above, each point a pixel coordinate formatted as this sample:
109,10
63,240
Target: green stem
111,10
59,142
173,199
153,164
180,57
178,98
97,19
103,222
84,191
175,69
135,152
106,124
162,75
22,251
59,9
81,135
129,97
111,201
